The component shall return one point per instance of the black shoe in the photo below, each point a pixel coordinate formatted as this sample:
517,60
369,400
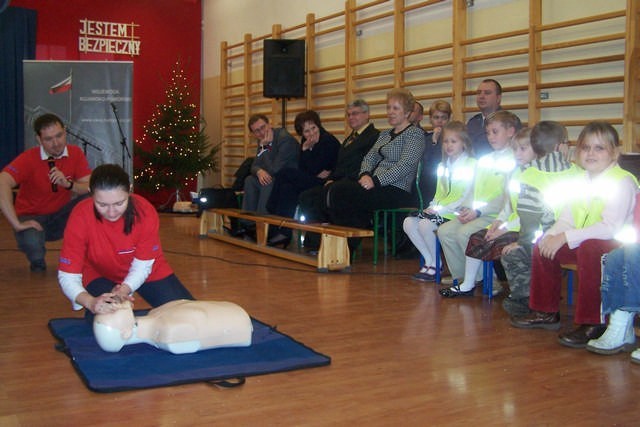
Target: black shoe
311,240
250,233
242,229
249,236
455,291
279,240
424,277
38,266
237,232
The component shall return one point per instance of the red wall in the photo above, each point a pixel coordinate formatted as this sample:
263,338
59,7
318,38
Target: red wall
168,29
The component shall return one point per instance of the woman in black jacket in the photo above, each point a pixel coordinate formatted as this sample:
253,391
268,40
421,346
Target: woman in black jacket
318,155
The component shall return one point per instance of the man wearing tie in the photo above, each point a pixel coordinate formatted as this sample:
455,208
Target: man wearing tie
363,135
48,177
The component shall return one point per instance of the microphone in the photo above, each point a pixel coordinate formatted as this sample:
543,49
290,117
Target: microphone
113,107
52,164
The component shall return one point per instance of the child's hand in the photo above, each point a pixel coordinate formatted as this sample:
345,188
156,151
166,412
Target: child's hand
549,245
510,248
436,135
466,215
494,230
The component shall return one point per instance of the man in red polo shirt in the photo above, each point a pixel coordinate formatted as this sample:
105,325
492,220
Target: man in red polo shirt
48,178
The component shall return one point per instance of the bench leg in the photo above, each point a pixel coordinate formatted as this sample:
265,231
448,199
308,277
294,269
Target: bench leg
211,221
204,223
262,233
333,253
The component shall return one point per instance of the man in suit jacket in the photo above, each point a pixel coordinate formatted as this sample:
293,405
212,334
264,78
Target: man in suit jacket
277,150
488,99
363,135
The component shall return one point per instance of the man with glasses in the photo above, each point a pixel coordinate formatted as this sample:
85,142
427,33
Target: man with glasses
277,149
358,143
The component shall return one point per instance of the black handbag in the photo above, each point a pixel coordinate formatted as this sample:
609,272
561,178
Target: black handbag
216,198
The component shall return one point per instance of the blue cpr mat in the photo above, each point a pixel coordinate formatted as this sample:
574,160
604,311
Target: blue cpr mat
140,366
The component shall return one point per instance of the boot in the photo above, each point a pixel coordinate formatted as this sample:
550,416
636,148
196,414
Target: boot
619,335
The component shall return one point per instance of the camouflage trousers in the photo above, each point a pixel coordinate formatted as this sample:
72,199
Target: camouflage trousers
517,266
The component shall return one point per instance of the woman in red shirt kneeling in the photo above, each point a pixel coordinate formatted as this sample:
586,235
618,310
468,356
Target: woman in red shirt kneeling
112,248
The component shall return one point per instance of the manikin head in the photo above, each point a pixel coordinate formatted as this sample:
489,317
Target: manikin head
113,330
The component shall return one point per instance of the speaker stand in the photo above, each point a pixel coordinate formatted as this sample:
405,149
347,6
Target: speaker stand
284,113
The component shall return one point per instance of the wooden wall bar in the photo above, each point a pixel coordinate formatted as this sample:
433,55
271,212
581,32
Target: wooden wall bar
572,71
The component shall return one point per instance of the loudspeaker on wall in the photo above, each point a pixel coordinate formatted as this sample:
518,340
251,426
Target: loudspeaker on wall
284,68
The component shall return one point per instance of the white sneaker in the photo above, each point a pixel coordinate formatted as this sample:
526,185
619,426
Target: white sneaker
619,336
635,356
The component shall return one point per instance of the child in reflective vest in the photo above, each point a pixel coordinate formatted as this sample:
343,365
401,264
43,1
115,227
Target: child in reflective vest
549,141
598,202
488,243
484,203
455,181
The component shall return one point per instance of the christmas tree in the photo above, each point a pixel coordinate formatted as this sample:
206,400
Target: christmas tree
178,147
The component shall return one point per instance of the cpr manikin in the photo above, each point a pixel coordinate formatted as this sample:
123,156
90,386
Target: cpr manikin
181,326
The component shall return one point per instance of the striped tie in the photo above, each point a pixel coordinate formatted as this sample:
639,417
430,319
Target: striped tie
350,139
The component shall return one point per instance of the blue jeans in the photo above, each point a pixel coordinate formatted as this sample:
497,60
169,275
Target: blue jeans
32,242
155,293
620,288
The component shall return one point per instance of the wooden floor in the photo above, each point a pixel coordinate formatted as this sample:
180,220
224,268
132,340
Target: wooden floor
401,355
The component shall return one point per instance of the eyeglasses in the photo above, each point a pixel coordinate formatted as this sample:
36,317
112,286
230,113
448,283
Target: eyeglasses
354,113
259,129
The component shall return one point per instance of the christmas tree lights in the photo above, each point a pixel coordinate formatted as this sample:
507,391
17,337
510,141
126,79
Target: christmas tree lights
177,145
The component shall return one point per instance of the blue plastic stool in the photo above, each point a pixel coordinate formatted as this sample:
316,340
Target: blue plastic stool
438,262
569,268
487,278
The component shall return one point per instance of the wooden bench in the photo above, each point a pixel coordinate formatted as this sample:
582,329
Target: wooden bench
332,255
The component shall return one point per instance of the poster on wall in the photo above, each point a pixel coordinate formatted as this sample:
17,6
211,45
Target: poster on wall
93,99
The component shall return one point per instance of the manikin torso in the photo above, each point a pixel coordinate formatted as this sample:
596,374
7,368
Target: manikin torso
181,326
